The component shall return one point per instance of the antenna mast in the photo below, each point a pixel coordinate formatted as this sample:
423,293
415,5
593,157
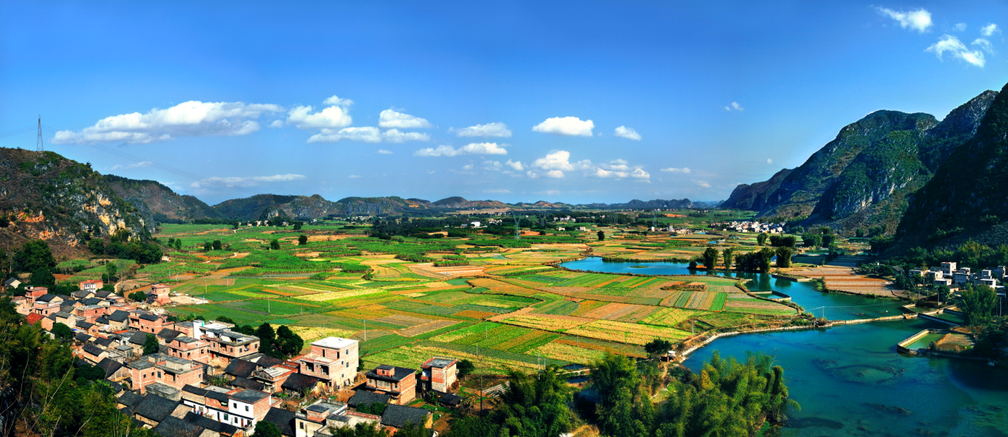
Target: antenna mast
39,147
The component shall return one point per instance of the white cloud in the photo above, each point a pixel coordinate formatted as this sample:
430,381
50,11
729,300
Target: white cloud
983,44
391,118
617,169
192,118
515,165
276,124
249,181
354,176
572,126
990,29
959,27
557,160
628,133
677,170
769,161
467,167
332,117
919,20
952,45
384,152
366,134
734,106
703,184
336,101
492,165
140,164
394,136
498,191
468,149
484,130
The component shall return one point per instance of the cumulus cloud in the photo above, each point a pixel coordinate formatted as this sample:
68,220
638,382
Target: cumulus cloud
276,124
483,130
685,170
919,20
140,164
366,134
554,161
468,149
336,101
390,118
703,184
249,181
515,165
628,133
952,45
618,169
959,27
384,152
192,118
990,29
734,106
571,126
332,117
394,136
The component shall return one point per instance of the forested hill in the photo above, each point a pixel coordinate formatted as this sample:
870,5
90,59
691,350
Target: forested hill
46,196
968,196
159,201
862,179
754,197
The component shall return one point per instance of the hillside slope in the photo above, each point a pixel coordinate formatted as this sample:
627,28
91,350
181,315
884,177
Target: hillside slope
966,198
159,201
49,197
863,177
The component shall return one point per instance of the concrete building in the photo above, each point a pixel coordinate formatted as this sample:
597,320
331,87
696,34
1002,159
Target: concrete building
398,382
160,368
439,374
333,360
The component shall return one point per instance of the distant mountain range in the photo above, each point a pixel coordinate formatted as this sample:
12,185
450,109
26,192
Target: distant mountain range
865,177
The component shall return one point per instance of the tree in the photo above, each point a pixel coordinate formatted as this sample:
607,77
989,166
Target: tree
784,257
302,240
137,296
62,332
761,239
216,245
266,429
111,270
728,254
658,348
42,277
359,430
828,240
34,254
601,235
298,224
710,257
275,244
96,246
207,246
150,345
465,367
287,342
624,408
178,244
267,339
811,239
977,304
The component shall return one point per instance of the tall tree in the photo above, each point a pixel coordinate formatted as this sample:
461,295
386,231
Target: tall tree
710,257
728,254
761,239
977,304
624,407
288,342
150,345
34,254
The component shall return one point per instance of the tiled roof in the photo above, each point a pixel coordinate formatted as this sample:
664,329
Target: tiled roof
364,397
240,368
92,349
283,419
156,408
208,423
110,366
247,383
399,416
398,374
177,427
298,382
34,318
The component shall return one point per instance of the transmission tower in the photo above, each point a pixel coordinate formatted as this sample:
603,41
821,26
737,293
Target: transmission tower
39,147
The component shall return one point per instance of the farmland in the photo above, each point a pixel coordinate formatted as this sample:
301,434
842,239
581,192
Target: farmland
494,300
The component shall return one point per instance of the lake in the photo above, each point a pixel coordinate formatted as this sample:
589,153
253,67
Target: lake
849,380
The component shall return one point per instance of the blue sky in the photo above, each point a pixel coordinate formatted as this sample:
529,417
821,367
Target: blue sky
559,101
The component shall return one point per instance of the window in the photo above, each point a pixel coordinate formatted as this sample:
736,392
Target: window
159,374
225,416
301,424
246,408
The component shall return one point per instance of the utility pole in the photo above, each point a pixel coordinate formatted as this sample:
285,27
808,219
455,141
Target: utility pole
39,147
365,329
517,221
267,305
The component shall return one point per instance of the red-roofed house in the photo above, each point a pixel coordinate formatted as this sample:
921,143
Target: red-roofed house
34,318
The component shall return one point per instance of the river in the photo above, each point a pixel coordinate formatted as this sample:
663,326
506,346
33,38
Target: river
849,380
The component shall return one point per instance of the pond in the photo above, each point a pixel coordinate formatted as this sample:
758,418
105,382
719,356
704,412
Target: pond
849,380
834,306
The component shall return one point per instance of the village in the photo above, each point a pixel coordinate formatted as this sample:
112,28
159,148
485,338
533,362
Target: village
204,379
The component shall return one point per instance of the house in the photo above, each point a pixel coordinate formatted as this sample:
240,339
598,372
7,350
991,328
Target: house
300,384
166,335
397,417
113,370
33,292
128,402
47,304
961,276
273,378
186,347
147,322
439,374
948,268
365,398
283,420
175,426
217,428
92,354
241,408
89,312
312,418
118,320
159,294
398,382
226,345
333,360
154,409
33,318
12,283
92,285
160,368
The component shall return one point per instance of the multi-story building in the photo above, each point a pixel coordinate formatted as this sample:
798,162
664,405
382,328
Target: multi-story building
398,382
172,371
226,345
92,285
333,360
146,322
159,294
439,374
189,348
241,408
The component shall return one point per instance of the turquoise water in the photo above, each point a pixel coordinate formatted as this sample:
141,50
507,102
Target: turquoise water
835,306
849,380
